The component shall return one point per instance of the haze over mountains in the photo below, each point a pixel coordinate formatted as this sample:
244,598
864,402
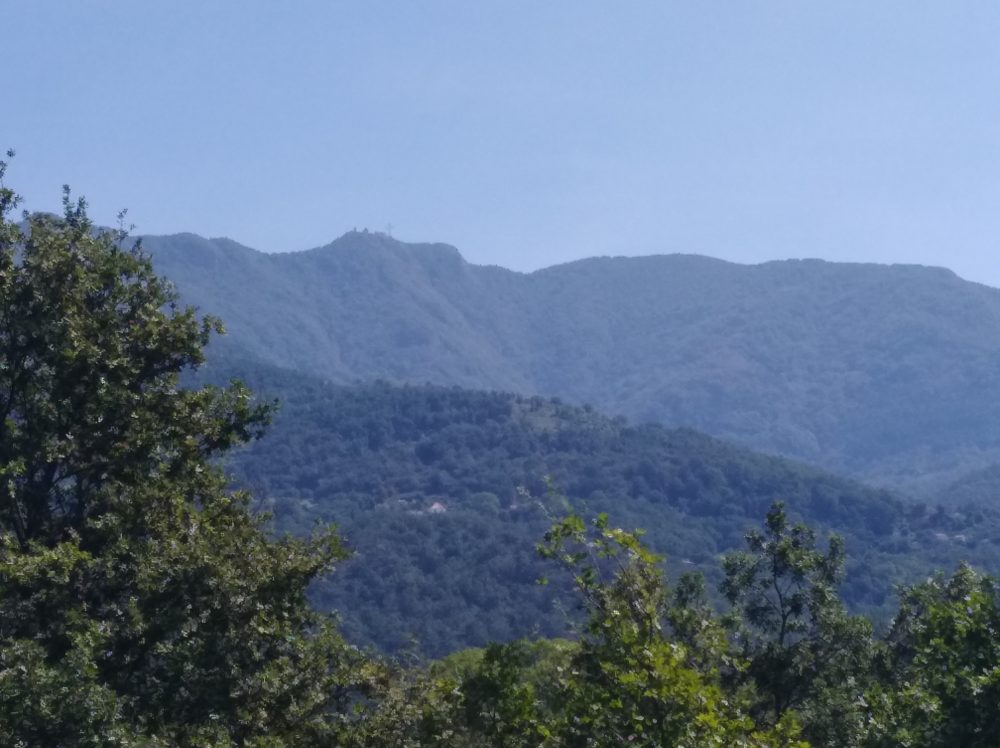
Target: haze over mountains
885,373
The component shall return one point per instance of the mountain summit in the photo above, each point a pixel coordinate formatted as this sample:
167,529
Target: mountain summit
888,373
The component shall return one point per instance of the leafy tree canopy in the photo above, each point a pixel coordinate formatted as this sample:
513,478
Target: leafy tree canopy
803,651
140,602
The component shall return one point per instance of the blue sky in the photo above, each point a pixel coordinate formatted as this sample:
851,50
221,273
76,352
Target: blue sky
525,133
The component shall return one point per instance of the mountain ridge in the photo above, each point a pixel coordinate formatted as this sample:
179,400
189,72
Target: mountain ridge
885,372
443,493
385,239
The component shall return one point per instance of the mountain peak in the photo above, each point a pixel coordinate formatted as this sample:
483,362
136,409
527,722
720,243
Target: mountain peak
379,244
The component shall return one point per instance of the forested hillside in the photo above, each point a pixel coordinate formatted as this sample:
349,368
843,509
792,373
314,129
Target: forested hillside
887,373
143,601
443,492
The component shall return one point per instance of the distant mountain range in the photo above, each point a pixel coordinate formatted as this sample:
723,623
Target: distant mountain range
890,374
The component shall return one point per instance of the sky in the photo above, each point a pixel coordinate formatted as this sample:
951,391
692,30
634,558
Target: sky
525,133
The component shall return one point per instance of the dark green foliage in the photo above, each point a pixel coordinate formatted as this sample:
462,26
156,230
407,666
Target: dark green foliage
803,652
887,373
140,601
498,703
795,671
375,458
626,681
939,684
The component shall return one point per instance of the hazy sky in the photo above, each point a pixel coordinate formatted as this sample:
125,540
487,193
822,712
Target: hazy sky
525,133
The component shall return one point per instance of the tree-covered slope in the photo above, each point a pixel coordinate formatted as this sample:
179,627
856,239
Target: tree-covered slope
443,492
888,373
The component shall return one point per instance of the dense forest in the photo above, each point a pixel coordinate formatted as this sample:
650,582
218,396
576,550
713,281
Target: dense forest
444,492
144,601
884,373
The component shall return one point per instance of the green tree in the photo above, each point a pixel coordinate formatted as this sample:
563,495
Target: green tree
804,652
939,681
498,703
140,601
630,682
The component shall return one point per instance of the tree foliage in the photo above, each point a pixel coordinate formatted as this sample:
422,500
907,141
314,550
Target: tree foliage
883,372
939,682
631,681
374,457
804,652
140,601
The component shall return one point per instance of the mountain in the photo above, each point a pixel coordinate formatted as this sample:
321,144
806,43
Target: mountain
444,492
887,373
